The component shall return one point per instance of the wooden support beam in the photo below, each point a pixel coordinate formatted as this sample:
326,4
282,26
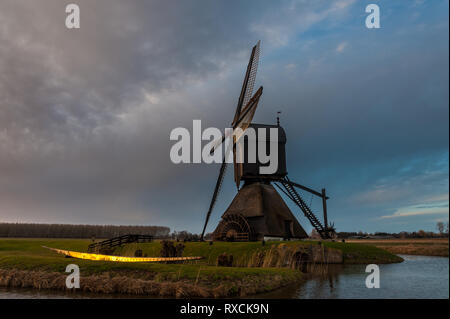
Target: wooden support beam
324,203
308,190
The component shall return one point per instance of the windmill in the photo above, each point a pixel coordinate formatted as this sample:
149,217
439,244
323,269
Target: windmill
258,211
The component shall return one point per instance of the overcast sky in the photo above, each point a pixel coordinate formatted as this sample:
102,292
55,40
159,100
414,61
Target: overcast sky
85,114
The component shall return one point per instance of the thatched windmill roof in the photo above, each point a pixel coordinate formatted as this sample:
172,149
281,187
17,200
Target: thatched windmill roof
264,211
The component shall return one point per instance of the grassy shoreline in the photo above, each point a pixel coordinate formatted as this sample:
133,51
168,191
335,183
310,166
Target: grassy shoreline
25,263
133,283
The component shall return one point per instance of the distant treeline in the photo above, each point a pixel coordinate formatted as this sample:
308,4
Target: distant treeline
441,227
78,231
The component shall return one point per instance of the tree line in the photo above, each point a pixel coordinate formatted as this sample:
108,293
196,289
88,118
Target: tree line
441,227
78,231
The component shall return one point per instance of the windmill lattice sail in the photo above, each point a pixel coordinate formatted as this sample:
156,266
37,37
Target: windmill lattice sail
252,75
249,82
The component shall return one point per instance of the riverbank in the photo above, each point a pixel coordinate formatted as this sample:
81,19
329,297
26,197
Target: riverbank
209,283
256,268
422,247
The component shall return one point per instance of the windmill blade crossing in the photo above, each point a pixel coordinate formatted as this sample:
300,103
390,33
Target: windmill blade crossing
243,122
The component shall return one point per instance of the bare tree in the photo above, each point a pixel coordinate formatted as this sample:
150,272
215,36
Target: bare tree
421,233
314,234
440,227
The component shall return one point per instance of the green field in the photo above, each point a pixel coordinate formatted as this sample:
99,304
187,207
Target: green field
243,251
21,258
410,246
28,255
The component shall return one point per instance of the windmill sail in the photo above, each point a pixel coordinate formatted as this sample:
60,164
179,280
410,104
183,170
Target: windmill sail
252,76
249,81
219,181
243,123
247,114
242,119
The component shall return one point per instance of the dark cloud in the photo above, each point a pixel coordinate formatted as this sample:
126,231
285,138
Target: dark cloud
85,115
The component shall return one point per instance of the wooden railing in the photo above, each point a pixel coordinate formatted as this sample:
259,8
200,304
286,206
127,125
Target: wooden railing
118,241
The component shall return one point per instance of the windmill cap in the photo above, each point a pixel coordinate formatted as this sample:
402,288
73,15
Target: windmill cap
281,132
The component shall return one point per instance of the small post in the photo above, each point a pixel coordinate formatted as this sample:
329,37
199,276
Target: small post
324,203
278,118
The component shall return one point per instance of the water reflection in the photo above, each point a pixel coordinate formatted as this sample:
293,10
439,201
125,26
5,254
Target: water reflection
416,277
28,293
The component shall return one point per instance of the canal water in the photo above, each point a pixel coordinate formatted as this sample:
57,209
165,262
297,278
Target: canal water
416,277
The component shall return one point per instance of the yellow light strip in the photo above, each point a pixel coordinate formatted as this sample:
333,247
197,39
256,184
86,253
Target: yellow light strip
123,259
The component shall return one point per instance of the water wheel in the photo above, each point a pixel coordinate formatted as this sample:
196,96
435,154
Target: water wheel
233,227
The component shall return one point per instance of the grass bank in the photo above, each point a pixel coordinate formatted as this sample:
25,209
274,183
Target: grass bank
244,252
424,247
25,263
